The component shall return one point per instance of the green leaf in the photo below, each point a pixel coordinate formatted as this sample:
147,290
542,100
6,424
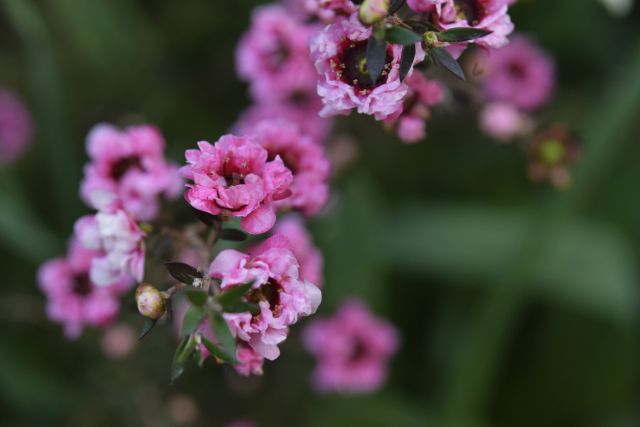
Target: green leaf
196,296
147,327
183,352
444,59
403,36
234,294
406,60
183,272
217,351
232,235
205,217
222,332
376,57
456,35
191,320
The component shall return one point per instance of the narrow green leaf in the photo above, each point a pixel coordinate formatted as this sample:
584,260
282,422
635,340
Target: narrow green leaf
147,327
241,307
444,59
196,297
406,60
396,5
218,352
232,235
191,320
205,217
184,350
376,57
456,35
222,332
403,36
234,294
183,272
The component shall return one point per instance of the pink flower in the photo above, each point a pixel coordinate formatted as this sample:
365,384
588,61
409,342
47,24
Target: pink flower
325,10
277,288
423,94
521,74
504,122
302,112
15,127
73,299
119,240
309,257
491,15
249,361
424,6
306,160
234,177
273,55
352,350
339,54
130,166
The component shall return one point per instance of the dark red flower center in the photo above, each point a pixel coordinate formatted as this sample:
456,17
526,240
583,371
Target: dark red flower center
517,70
473,11
81,285
122,166
350,66
358,352
289,159
269,292
277,56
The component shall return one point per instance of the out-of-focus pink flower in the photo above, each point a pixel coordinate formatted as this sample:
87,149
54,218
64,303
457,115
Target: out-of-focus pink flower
309,257
15,127
242,423
119,240
423,94
304,158
491,15
302,112
352,350
339,54
277,288
119,341
424,6
250,362
73,299
325,10
521,74
273,55
235,177
504,122
129,165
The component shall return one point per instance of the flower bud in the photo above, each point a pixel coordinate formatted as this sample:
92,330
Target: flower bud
430,39
150,301
373,11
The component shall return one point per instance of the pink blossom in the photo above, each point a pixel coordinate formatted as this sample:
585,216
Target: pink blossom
250,362
273,55
352,349
306,160
129,165
309,257
15,127
281,295
521,74
504,122
73,299
491,15
424,6
120,242
302,112
423,94
234,177
339,54
325,10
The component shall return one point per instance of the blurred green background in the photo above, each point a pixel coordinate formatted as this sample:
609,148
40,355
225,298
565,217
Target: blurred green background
517,305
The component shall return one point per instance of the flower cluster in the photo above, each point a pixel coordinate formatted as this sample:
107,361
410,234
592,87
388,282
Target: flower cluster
352,349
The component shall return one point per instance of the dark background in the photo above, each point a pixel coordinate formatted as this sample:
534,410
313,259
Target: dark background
517,304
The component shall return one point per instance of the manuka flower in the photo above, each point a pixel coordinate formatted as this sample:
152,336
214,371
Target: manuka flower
130,166
309,257
339,53
73,299
281,295
352,350
235,177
